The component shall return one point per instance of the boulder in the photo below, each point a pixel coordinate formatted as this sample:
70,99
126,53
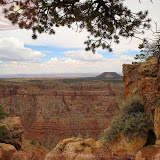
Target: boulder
148,153
6,151
22,155
121,146
73,149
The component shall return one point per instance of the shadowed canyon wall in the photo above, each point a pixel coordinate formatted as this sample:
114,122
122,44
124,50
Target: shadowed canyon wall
51,110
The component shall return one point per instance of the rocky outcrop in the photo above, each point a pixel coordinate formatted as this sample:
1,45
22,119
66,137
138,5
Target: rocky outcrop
144,79
6,151
83,149
149,152
73,148
13,131
52,110
14,147
121,146
30,151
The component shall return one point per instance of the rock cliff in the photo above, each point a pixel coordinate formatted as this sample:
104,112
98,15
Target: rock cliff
51,110
144,79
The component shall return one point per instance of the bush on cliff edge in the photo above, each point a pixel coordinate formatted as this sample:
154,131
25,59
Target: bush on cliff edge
131,122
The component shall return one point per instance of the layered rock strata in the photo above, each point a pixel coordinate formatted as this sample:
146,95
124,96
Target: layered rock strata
51,111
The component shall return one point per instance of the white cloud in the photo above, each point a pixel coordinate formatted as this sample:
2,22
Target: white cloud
84,56
68,60
60,61
123,57
68,65
12,49
64,37
47,51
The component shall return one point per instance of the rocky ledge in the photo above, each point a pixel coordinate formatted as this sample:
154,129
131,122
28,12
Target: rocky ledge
13,146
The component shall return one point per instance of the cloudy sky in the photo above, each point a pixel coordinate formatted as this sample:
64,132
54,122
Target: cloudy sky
64,52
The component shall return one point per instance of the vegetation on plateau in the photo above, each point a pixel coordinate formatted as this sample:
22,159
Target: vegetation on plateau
2,131
32,142
2,116
131,122
2,113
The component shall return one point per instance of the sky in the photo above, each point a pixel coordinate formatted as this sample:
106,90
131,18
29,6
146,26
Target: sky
64,52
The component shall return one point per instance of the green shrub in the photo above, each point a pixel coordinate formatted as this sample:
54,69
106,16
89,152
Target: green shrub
2,113
131,122
32,142
134,62
40,143
2,131
136,125
133,104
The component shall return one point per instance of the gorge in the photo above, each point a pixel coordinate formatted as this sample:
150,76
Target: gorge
74,114
52,110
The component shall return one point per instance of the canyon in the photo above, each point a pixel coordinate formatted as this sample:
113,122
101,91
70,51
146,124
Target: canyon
142,79
74,114
53,110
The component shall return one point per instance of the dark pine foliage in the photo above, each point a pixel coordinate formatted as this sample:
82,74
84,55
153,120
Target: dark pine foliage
105,20
150,49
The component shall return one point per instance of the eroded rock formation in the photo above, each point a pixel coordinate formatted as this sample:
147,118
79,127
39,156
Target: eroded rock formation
144,79
51,111
14,147
13,131
82,149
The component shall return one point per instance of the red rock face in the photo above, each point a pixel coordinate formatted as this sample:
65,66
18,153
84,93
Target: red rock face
52,111
144,79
